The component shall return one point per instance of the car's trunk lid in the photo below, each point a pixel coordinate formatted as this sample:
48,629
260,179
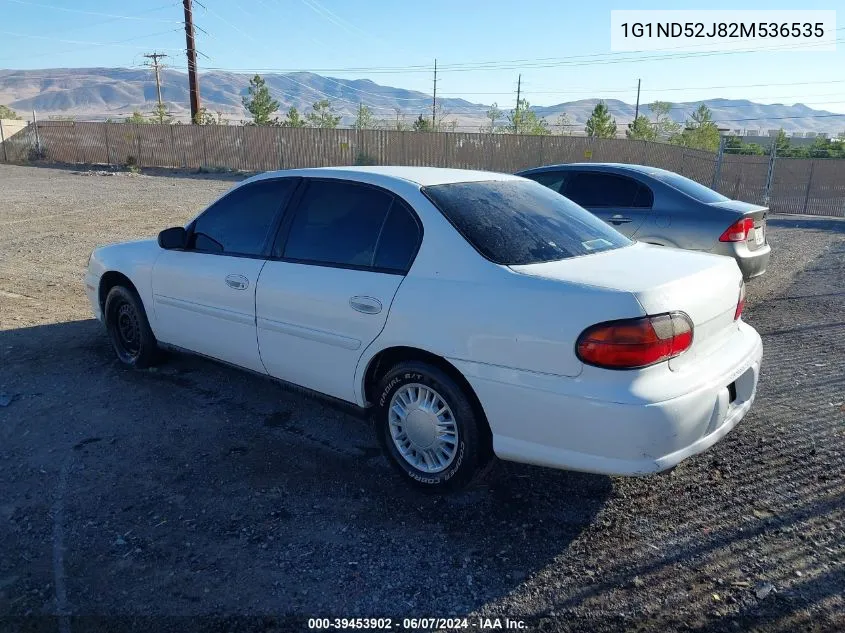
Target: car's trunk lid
706,287
756,238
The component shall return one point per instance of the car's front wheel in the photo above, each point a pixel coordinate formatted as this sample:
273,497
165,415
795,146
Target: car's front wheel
428,427
128,328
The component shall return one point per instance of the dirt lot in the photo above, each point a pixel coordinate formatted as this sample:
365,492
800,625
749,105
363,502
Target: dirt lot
196,497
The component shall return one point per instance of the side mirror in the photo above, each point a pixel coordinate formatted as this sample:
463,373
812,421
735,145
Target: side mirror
173,238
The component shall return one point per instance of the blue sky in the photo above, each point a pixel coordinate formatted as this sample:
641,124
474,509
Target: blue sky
329,35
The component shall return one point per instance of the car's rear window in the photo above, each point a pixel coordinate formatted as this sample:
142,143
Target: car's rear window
515,222
689,187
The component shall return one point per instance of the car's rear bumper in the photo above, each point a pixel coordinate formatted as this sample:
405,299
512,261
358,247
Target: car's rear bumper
752,263
564,428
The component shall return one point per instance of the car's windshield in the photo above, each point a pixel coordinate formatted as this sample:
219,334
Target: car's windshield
689,187
521,222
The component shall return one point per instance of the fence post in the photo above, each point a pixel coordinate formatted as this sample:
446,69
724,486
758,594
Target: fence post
241,160
108,150
542,143
770,175
137,143
173,146
717,171
37,137
203,129
809,185
3,143
75,141
279,143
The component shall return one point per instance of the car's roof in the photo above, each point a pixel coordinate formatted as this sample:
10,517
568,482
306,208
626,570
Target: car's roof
642,169
423,176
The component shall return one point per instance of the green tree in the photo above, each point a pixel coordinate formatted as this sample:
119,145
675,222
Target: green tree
161,114
641,129
782,143
601,124
494,114
258,101
136,117
364,119
523,120
292,119
664,126
735,145
422,124
700,131
7,113
323,115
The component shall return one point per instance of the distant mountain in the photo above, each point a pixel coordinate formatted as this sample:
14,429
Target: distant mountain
100,93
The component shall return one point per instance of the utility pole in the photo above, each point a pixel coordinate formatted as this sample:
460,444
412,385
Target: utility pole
156,66
637,109
193,80
434,98
516,112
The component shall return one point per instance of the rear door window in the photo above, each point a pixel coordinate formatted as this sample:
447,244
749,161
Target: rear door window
399,239
597,190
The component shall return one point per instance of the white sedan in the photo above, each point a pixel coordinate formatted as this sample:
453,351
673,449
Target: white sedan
475,314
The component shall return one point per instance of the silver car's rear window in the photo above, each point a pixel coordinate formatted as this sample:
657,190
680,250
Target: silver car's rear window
689,187
515,222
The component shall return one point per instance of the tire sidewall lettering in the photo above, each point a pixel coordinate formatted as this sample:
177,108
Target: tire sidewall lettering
440,478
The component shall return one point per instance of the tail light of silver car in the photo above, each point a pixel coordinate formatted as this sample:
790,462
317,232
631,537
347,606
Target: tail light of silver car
635,343
738,231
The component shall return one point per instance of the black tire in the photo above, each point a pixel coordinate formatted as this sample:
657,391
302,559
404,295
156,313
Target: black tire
472,453
129,329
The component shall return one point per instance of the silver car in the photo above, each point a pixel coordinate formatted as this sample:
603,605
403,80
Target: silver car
661,207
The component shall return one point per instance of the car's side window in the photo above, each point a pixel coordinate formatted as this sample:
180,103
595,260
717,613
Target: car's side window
596,190
398,240
337,222
238,223
554,180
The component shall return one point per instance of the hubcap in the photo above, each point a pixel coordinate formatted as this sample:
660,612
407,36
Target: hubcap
423,428
128,329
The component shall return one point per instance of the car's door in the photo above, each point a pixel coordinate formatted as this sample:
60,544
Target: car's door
204,295
341,254
621,201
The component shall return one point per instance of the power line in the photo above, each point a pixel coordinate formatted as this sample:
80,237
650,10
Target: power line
108,15
88,25
582,60
117,43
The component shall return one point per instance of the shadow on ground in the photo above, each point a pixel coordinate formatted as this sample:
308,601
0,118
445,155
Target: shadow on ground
198,489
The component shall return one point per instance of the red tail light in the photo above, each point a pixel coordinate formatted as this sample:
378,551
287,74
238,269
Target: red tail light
740,305
738,231
633,343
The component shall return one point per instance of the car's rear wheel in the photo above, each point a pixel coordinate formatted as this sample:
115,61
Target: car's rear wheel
428,428
129,329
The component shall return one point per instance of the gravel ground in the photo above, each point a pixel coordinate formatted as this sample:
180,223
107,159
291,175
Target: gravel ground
197,497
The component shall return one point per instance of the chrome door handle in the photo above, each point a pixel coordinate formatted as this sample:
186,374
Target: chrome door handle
238,282
619,219
367,305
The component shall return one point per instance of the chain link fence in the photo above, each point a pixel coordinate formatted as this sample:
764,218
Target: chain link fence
787,185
